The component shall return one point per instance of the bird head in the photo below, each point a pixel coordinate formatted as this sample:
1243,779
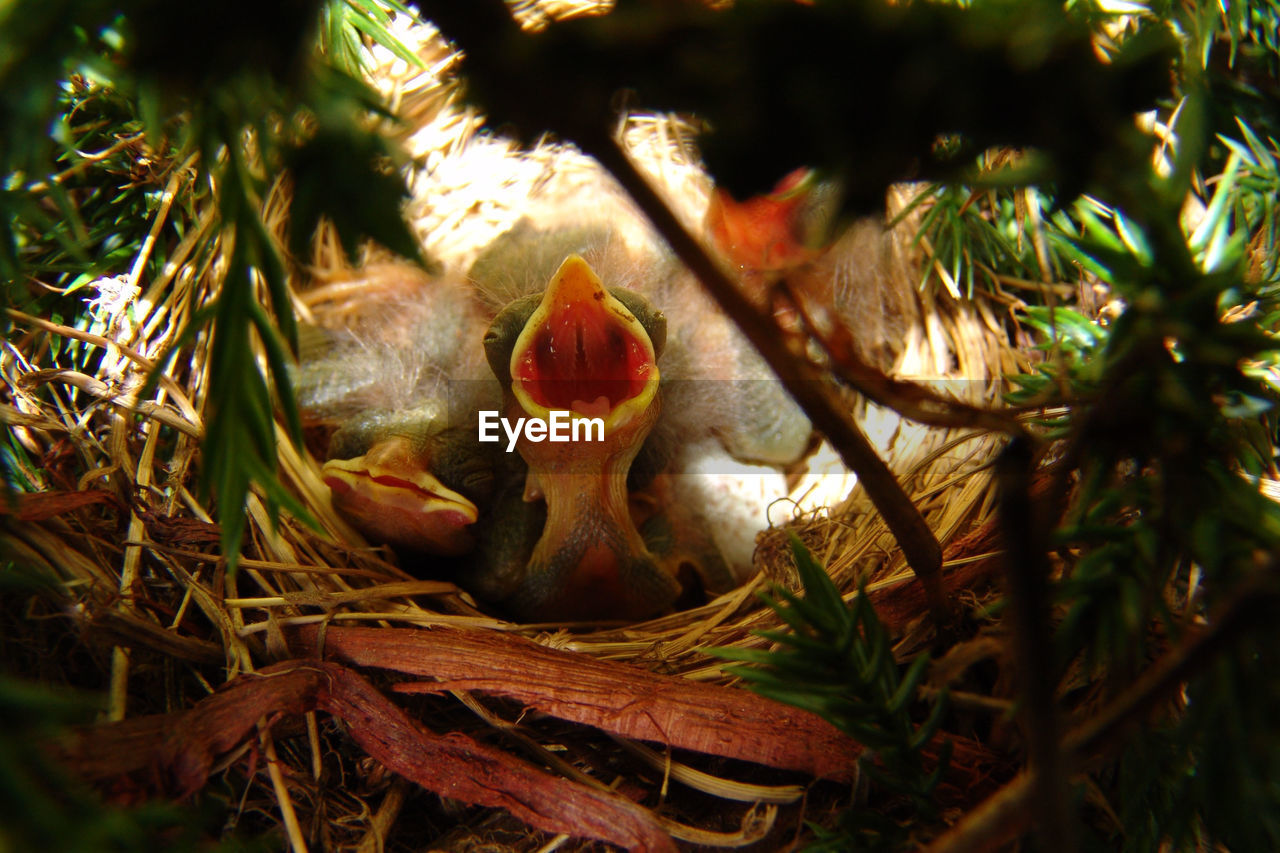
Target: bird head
581,349
407,479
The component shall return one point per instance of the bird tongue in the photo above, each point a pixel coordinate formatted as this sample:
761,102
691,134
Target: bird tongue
597,408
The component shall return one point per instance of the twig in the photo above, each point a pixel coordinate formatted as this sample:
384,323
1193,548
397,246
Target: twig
1000,818
716,786
97,388
1027,577
167,198
912,400
627,701
803,381
384,818
1255,600
402,589
147,364
292,828
87,161
118,693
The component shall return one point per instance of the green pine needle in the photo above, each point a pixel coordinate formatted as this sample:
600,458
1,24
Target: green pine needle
835,661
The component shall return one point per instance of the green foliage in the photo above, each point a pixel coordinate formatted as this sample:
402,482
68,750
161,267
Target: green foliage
1212,775
1169,404
980,229
116,102
344,22
1249,188
836,661
980,237
42,808
1160,392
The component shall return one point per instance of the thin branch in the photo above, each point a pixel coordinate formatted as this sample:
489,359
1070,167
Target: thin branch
84,163
912,400
146,363
804,382
297,844
97,388
1027,577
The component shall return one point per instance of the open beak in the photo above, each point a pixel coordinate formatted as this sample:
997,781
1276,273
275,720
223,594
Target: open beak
582,351
585,352
389,494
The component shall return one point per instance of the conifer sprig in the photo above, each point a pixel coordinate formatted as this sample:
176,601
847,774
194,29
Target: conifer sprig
836,661
196,110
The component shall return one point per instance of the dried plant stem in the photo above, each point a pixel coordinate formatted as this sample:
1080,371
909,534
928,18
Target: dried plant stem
292,829
118,693
147,364
129,572
914,400
375,839
85,161
97,388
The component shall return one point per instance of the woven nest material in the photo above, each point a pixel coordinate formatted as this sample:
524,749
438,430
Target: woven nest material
136,553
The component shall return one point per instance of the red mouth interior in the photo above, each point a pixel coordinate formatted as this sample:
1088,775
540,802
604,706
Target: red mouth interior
580,354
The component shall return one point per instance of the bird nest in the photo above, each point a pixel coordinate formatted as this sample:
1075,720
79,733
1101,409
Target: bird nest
622,732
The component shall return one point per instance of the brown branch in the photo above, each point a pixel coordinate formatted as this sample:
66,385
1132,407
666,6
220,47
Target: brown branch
41,506
804,381
1255,601
629,701
912,400
451,765
1025,532
134,631
620,699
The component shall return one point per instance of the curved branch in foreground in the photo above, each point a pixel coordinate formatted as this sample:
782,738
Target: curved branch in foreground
802,380
180,750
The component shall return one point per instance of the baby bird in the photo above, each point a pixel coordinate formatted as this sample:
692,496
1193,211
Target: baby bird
391,385
593,353
705,453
